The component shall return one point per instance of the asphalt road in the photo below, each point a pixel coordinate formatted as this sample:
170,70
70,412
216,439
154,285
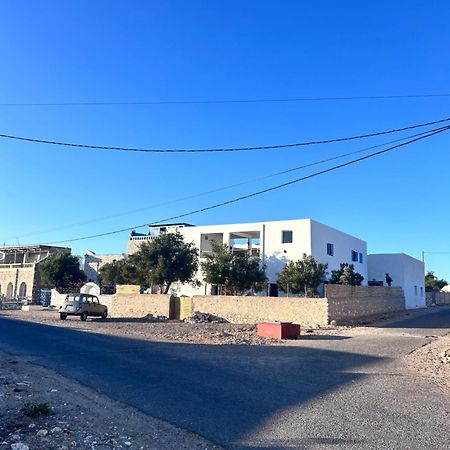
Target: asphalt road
346,391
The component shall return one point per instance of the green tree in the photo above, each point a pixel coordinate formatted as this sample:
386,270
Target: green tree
217,265
118,272
237,272
62,271
165,260
346,275
303,276
433,283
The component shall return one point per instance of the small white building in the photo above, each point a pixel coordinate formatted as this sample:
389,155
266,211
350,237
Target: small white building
405,271
93,263
274,242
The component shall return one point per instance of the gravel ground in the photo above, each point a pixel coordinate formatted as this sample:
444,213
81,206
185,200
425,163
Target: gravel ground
78,418
430,362
162,331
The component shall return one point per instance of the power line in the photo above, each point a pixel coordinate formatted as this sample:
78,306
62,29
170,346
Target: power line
235,149
229,101
222,188
254,194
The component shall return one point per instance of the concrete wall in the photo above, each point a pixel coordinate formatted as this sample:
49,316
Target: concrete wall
348,303
139,305
406,272
305,311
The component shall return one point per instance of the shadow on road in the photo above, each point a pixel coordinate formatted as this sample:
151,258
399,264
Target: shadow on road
222,392
436,318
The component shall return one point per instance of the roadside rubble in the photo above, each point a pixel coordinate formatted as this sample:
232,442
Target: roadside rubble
199,317
210,330
77,417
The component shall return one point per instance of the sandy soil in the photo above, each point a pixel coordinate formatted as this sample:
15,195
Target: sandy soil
163,331
79,417
429,363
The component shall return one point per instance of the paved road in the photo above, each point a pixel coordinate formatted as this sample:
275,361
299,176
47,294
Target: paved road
346,391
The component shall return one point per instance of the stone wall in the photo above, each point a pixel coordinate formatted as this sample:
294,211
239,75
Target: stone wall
437,298
139,305
352,303
304,311
17,276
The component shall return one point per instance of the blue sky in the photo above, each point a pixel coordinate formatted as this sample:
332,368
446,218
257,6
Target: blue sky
202,50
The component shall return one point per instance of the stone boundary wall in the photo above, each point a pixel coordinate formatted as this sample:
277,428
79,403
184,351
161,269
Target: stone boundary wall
353,303
437,298
139,305
344,304
250,309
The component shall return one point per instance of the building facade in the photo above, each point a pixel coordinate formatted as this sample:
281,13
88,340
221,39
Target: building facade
274,242
19,270
405,271
93,263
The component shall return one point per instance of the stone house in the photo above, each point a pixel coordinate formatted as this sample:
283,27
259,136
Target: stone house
19,270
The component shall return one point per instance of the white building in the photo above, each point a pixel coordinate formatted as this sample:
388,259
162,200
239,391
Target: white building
93,263
405,271
275,243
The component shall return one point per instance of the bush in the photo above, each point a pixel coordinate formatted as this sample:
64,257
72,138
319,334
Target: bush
35,409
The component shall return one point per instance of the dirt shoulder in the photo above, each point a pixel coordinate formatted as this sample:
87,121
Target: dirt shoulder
432,361
78,417
144,329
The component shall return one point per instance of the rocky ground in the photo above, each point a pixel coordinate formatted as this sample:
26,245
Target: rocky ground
78,417
151,329
433,361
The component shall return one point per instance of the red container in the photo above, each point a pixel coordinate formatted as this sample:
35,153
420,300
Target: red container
278,330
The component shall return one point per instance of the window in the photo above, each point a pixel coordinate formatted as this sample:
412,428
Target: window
354,256
421,291
22,290
361,258
415,290
330,249
286,237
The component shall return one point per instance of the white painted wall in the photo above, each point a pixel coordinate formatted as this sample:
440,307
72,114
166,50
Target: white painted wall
308,237
406,272
343,244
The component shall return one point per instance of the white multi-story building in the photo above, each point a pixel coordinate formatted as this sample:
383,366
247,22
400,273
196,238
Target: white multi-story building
275,243
405,271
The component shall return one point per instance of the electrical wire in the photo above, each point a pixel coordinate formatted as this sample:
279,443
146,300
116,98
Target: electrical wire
211,150
254,194
230,101
220,189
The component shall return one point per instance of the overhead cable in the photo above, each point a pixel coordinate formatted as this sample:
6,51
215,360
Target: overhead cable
219,189
212,150
263,191
225,101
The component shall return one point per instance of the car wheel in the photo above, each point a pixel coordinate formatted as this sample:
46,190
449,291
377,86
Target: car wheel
105,314
84,316
63,316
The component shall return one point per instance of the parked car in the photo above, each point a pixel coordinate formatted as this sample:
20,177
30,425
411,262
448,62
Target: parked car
82,305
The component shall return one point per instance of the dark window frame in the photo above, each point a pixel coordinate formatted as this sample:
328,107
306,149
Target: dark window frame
330,249
287,238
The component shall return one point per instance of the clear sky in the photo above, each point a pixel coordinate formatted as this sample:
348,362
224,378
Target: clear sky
103,51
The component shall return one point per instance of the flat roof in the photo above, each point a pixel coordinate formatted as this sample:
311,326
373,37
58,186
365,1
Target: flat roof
178,224
31,248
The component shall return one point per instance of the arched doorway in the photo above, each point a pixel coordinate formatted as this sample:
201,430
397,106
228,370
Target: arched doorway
9,291
22,290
